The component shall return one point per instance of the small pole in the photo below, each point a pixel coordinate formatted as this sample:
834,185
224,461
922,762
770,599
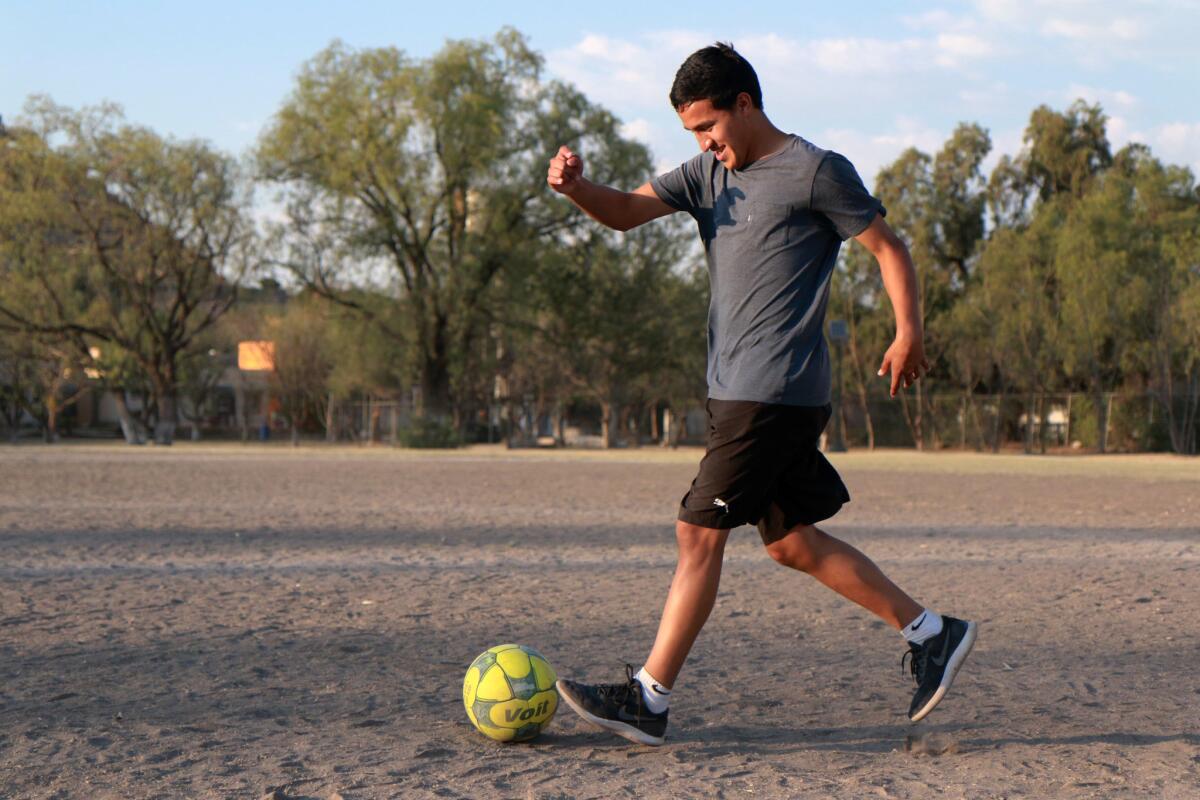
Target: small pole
839,332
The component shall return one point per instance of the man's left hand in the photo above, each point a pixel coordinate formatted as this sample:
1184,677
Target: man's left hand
905,359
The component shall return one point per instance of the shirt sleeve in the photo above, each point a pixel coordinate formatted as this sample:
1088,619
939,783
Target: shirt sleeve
839,194
683,187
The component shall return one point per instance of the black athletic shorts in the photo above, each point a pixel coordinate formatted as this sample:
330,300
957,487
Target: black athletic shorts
763,467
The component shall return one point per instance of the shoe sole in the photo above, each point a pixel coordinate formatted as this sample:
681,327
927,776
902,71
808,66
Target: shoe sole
611,725
952,666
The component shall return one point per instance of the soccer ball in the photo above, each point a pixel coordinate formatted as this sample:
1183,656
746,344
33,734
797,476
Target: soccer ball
509,693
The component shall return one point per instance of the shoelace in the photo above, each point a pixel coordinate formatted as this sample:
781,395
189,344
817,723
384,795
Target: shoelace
918,662
620,691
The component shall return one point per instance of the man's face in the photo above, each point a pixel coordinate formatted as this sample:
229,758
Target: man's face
724,131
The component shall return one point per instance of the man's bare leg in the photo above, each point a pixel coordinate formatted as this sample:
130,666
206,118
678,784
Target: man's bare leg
845,570
690,600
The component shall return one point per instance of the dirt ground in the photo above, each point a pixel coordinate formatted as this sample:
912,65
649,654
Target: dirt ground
240,621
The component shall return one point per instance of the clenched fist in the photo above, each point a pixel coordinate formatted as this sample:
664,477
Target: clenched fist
566,171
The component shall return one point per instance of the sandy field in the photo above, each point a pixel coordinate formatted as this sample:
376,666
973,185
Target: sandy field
229,621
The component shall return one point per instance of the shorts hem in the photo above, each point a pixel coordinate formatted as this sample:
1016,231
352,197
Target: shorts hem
714,519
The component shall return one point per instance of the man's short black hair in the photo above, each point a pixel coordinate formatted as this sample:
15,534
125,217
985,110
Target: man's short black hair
717,74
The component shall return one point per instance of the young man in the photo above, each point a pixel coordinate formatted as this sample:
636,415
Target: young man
772,211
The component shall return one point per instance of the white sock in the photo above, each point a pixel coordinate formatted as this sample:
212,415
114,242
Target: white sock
656,696
927,625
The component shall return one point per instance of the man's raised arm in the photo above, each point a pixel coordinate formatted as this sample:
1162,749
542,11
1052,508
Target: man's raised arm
612,207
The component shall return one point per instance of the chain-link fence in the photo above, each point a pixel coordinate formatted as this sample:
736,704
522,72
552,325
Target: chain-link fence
1030,423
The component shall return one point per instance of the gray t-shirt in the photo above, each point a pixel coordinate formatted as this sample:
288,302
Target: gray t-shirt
771,236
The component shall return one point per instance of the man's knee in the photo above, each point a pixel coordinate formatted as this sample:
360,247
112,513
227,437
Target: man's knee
697,543
798,548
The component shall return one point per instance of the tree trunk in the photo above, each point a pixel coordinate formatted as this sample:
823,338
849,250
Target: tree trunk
295,434
998,423
607,427
1042,427
371,418
50,431
913,421
866,409
130,427
1067,432
631,424
1102,409
1030,412
926,398
331,419
962,423
860,384
435,379
973,407
164,425
1191,412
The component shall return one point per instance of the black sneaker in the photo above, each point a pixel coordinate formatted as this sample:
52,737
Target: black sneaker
936,662
616,707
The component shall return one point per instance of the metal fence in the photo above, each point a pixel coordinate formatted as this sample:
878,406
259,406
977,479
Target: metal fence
1030,423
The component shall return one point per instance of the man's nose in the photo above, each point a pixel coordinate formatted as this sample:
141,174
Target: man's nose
705,144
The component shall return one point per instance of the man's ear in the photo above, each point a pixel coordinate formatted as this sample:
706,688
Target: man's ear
744,103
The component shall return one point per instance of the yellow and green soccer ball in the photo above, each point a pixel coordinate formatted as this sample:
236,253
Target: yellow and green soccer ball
509,693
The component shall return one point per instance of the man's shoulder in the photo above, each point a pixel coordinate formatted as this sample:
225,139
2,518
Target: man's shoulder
803,151
695,169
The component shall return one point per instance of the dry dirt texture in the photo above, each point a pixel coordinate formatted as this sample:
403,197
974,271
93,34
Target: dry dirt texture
230,621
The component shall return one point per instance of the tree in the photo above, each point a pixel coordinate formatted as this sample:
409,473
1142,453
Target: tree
427,177
1101,266
149,232
618,322
936,205
40,379
303,362
1165,203
1064,151
1014,305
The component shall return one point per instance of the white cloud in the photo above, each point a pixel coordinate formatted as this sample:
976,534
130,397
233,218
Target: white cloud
954,48
1109,99
632,75
937,19
1002,10
984,99
1123,29
1172,143
613,72
639,129
869,152
938,67
1117,130
863,56
1175,143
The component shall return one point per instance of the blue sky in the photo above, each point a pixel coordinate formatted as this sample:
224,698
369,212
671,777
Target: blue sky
867,78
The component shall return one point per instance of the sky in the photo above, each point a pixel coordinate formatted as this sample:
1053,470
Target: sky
867,79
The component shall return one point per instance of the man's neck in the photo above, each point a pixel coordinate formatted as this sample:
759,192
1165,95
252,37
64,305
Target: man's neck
768,141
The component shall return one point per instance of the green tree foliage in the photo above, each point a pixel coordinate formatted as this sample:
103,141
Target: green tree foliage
1085,279
430,252
936,204
616,322
428,176
303,362
1064,151
123,241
